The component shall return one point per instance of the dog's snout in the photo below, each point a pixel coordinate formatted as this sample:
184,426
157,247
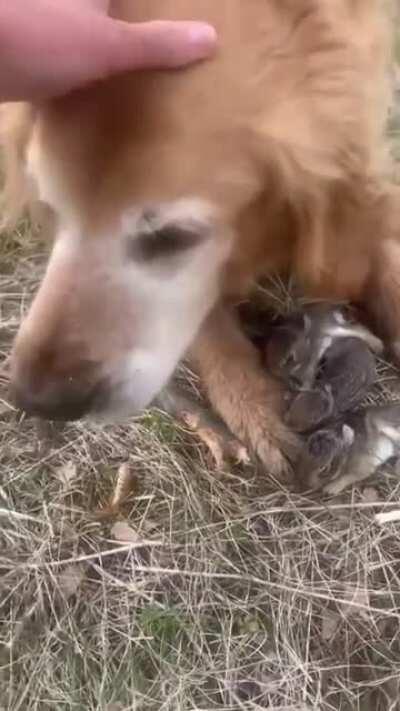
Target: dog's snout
55,402
55,395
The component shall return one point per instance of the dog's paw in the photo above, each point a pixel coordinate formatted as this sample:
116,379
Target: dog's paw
273,443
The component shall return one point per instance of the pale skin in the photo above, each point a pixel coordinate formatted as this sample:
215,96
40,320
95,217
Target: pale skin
50,47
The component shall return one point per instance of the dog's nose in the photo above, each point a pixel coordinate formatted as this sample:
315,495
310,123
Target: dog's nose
57,401
41,387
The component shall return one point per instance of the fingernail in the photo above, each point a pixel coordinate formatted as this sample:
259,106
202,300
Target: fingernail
203,38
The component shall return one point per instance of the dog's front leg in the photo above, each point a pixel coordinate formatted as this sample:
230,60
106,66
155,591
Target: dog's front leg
382,297
241,392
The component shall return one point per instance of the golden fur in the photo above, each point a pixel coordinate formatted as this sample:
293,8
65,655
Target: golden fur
282,132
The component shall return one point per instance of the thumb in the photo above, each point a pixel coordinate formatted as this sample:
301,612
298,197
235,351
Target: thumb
160,45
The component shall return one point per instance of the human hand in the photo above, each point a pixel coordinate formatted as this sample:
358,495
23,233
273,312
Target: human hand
49,47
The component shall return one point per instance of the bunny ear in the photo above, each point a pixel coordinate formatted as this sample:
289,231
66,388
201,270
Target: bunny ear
307,322
339,317
322,443
348,435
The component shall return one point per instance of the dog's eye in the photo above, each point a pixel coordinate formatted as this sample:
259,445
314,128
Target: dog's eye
163,243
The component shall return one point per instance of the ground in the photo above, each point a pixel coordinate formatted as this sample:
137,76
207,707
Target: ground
202,589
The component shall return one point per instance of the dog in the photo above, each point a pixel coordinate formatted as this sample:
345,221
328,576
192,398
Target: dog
172,193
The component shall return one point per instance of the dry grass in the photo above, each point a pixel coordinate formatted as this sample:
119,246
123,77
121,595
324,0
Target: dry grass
231,593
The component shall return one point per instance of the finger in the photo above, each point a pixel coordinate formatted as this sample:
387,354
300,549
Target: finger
101,6
160,45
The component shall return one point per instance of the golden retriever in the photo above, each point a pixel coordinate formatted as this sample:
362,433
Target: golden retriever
173,192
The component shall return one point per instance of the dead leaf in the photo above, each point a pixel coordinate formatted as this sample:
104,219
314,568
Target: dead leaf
71,579
66,473
329,625
239,453
370,495
359,602
124,533
150,526
125,484
219,442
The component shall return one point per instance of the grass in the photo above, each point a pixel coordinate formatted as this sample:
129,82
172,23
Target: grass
232,593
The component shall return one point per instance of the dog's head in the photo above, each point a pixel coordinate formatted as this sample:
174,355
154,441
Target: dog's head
154,178
116,311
